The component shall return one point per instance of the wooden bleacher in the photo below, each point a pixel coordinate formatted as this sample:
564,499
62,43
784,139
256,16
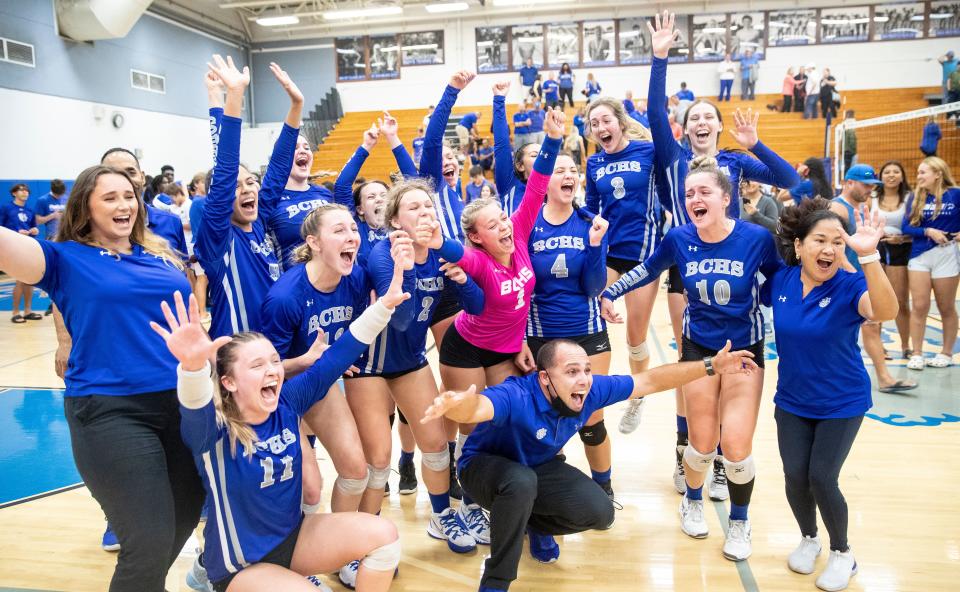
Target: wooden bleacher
788,134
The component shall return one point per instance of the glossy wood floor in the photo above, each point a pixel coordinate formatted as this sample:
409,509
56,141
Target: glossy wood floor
900,482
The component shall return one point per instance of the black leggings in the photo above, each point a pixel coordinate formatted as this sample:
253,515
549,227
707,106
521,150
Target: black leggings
131,457
813,452
553,498
566,93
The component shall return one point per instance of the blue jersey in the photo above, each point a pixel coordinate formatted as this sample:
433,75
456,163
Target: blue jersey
803,190
526,429
821,373
473,191
294,310
449,202
673,160
535,116
196,214
417,150
254,502
467,120
107,302
520,121
17,218
592,88
640,118
723,295
551,90
946,220
168,226
47,205
581,124
343,195
241,265
620,187
528,75
509,187
570,275
685,95
565,79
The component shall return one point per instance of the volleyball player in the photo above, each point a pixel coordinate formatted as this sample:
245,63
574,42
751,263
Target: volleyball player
257,535
934,257
823,390
17,217
511,463
702,124
718,258
512,167
107,274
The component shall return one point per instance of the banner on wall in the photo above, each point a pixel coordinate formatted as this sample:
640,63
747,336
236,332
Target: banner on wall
527,45
492,49
634,39
747,32
351,56
898,21
944,19
844,25
709,37
422,49
792,27
563,45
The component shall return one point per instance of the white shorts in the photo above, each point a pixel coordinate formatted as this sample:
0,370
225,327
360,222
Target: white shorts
942,261
463,134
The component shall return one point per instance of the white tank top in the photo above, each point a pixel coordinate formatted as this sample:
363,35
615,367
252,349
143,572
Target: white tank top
893,221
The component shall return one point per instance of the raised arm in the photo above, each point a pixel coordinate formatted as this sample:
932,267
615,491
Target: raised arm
671,376
880,301
390,129
281,160
594,276
770,168
467,406
431,161
21,257
661,260
526,215
669,156
343,188
502,151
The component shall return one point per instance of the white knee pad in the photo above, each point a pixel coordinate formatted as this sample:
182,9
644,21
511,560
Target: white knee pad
310,508
740,472
639,353
385,558
437,461
377,478
352,486
698,461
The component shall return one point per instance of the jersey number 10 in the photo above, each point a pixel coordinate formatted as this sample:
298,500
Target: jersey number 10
721,292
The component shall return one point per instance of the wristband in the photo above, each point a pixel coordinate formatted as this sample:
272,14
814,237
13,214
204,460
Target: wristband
871,258
708,362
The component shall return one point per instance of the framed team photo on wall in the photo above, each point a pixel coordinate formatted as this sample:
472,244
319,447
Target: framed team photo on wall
563,45
384,56
527,43
792,27
351,58
599,43
680,52
492,49
709,37
843,25
421,49
747,31
898,21
944,19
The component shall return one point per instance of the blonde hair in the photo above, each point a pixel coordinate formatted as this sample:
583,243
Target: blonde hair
77,224
395,196
632,130
710,166
572,142
311,227
920,197
468,218
228,414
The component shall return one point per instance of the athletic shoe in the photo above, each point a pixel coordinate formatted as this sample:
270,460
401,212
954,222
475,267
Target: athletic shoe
718,485
110,542
543,547
915,363
804,557
679,473
348,574
692,522
447,526
937,361
607,487
737,545
319,583
840,568
408,478
197,577
631,417
455,491
478,525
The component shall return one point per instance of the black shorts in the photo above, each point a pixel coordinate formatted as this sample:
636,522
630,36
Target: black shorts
593,343
621,266
448,306
281,555
674,281
693,351
458,352
896,255
389,375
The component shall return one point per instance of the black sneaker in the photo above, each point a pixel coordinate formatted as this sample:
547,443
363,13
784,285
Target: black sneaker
455,491
408,478
386,489
607,487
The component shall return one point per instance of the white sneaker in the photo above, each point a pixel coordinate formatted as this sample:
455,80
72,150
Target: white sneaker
915,363
692,522
320,586
840,568
447,526
679,473
737,546
348,574
718,485
804,557
631,417
197,578
939,361
475,519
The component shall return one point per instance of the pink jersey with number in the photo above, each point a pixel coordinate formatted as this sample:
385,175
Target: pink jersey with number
506,289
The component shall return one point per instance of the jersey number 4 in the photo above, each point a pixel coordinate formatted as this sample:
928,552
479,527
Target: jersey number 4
267,464
559,268
721,292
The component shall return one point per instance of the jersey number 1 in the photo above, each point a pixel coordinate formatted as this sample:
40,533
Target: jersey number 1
267,464
721,292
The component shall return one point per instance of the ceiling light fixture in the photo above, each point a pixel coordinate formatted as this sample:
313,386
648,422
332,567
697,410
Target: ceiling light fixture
339,15
446,7
278,21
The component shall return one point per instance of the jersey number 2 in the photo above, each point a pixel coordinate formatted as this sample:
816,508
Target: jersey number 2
425,312
721,292
267,464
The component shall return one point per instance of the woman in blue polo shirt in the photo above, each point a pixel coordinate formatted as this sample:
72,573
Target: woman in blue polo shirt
823,390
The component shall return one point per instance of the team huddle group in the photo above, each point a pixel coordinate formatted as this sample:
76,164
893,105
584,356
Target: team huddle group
307,287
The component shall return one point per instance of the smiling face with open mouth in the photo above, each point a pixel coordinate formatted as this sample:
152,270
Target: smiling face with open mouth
703,127
336,242
820,250
706,203
255,379
113,209
245,206
564,182
605,128
373,201
493,231
302,160
450,166
570,377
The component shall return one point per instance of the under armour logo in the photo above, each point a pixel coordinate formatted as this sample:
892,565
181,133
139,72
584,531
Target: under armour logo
541,433
783,299
310,302
824,302
538,228
693,248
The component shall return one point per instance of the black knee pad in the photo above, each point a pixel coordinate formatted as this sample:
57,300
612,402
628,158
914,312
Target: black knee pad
593,435
403,419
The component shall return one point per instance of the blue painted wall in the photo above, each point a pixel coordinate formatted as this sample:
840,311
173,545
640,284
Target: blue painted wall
100,71
312,69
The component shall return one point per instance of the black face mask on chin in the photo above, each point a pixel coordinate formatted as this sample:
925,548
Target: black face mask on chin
557,403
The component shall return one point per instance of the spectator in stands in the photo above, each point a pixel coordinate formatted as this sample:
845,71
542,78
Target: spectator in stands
799,90
566,78
685,94
757,207
418,146
728,71
521,124
580,123
426,118
749,70
19,218
628,105
789,87
467,130
535,130
931,137
828,86
813,92
574,144
948,65
640,113
477,183
528,77
849,141
592,88
484,154
551,91
197,190
50,208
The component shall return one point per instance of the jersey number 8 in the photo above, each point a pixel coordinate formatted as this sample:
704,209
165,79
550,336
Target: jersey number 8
721,292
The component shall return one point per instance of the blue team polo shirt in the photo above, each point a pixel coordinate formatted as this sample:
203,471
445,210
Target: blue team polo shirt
468,120
526,429
528,75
